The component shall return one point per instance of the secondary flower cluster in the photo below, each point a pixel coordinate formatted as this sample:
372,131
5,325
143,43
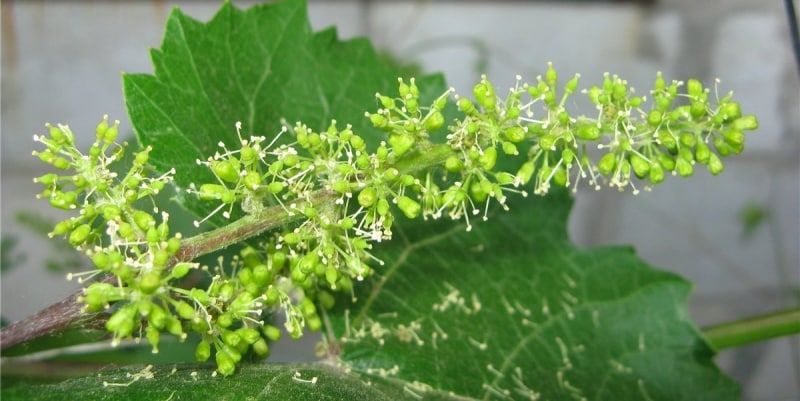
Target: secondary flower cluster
341,196
120,238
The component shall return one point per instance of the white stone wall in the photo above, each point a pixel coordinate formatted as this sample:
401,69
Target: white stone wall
61,63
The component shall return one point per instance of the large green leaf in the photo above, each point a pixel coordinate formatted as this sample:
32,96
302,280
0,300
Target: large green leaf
261,66
289,382
514,309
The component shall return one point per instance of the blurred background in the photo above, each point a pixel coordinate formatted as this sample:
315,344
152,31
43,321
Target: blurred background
736,236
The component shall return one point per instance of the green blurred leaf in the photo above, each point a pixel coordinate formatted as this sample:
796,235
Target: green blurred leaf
9,257
752,216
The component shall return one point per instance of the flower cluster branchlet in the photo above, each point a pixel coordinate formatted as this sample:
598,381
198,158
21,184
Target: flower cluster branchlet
328,245
134,245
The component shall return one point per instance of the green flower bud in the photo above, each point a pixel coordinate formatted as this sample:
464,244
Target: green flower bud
386,101
252,180
688,139
548,142
271,332
715,165
331,276
572,84
143,220
61,228
231,338
453,164
378,120
525,172
641,167
278,260
101,128
59,136
694,87
248,154
245,275
730,111
514,134
668,141
275,187
111,133
60,163
412,105
185,310
262,275
367,197
249,334
381,154
152,236
466,106
97,296
181,270
80,234
684,167
410,207
227,170
225,364
656,173
383,207
261,348
560,177
551,76
47,179
485,95
150,282
173,245
654,118
746,123
588,132
200,296
64,200
401,143
488,159
434,121
141,158
733,137
607,163
509,148
203,351
225,319
697,109
702,153
722,147
298,276
314,140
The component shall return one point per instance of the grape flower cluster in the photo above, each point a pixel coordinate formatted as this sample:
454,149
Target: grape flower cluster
425,167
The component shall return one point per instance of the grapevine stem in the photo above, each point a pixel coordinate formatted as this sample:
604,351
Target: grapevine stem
753,329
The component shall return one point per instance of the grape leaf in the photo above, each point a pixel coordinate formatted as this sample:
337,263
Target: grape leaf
514,310
259,66
193,382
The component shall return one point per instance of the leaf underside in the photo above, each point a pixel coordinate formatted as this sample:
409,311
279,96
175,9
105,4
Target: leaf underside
510,310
